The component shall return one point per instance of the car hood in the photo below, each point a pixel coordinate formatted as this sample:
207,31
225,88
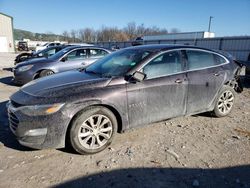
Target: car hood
34,61
66,83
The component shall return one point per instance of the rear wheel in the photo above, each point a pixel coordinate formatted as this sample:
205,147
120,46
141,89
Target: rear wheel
93,130
45,73
224,102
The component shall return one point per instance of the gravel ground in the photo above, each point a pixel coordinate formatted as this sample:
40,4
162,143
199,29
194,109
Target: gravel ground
195,151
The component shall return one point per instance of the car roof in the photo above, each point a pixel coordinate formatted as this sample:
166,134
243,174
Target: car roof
85,47
163,47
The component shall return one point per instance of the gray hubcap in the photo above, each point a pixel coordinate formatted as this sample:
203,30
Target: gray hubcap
49,73
225,102
95,131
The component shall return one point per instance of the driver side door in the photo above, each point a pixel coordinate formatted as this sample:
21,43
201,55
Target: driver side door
162,94
73,60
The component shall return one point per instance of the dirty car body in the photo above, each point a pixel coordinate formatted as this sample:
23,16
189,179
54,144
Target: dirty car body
131,83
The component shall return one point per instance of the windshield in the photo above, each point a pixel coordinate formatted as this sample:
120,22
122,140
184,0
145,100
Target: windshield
60,53
118,63
42,52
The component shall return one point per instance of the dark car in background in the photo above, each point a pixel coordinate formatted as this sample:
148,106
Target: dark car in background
72,57
22,46
126,89
43,53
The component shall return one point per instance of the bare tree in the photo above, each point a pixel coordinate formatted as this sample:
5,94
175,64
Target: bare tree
89,35
175,30
65,35
73,34
131,30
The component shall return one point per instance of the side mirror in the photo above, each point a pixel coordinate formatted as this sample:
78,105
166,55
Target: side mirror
137,76
64,59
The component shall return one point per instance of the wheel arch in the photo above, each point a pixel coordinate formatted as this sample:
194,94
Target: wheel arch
36,75
111,108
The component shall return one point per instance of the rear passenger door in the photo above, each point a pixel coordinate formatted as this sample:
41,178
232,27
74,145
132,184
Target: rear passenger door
205,78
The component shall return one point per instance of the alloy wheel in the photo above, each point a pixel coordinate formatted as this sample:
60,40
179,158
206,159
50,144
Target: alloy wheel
95,131
225,102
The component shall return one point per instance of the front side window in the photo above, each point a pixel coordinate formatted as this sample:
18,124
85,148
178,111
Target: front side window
163,65
77,54
199,59
97,53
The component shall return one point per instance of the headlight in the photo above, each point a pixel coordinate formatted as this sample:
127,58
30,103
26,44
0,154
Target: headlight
24,68
40,110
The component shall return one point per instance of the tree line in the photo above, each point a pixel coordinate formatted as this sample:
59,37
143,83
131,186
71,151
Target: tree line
90,35
108,34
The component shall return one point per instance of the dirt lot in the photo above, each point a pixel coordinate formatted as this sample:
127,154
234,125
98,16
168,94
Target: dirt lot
196,151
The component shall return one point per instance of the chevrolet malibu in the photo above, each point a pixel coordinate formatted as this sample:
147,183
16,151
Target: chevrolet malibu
129,88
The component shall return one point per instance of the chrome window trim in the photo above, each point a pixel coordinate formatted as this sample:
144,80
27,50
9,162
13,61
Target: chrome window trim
185,71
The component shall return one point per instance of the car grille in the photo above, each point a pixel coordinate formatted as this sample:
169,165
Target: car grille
13,121
15,104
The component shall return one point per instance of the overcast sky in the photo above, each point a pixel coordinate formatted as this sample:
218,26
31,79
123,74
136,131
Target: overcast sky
231,17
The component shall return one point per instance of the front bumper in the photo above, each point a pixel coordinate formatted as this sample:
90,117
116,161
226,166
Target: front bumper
22,78
38,132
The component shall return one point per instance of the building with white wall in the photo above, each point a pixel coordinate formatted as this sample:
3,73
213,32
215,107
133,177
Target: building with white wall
6,33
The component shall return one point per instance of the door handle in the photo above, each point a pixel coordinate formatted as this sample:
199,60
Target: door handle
178,81
216,74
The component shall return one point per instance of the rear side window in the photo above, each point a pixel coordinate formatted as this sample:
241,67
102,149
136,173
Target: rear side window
163,65
199,59
219,60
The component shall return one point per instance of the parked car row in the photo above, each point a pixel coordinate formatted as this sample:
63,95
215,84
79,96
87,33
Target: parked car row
43,53
128,88
44,63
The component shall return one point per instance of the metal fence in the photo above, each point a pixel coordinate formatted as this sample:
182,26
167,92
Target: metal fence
239,47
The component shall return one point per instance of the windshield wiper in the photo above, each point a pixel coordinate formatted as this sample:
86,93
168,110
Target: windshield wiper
92,72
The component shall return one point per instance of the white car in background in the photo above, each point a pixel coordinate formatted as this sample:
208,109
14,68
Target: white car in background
46,45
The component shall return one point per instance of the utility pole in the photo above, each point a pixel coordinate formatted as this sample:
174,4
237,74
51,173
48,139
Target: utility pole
209,25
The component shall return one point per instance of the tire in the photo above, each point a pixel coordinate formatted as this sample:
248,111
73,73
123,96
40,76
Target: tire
93,130
45,73
224,102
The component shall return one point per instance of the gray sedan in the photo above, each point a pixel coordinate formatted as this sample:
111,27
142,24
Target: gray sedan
72,57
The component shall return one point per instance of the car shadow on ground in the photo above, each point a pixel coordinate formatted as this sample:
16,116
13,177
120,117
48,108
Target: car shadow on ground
246,82
7,138
237,176
8,69
8,81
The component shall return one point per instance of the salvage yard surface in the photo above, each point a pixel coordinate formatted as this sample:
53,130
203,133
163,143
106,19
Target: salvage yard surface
195,151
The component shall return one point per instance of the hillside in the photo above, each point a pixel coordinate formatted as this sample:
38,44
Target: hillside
22,34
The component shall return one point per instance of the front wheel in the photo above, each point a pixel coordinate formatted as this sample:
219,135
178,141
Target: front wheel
93,130
45,73
224,102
